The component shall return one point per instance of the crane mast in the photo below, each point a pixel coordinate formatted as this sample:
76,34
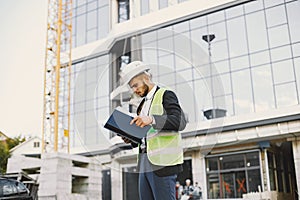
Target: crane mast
57,77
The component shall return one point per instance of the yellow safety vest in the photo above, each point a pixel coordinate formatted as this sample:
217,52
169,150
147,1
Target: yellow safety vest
163,148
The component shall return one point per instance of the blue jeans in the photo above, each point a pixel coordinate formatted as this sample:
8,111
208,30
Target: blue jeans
153,187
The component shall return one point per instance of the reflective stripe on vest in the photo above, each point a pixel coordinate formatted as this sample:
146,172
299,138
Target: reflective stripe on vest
163,148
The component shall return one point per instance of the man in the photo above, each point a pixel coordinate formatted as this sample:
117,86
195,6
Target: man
188,189
160,154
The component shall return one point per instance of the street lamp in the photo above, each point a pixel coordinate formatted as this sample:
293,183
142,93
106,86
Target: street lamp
209,38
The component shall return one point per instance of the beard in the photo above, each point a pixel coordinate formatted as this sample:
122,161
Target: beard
145,90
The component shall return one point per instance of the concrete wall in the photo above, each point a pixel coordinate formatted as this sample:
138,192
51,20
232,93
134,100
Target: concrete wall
66,176
62,176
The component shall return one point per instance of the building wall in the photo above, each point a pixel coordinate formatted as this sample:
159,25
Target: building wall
250,69
30,147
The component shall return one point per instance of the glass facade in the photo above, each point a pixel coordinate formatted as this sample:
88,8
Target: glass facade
89,101
90,21
252,64
231,176
253,60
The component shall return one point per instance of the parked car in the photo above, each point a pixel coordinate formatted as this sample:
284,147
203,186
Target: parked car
13,190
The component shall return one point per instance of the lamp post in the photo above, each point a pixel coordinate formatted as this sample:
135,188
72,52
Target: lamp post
209,38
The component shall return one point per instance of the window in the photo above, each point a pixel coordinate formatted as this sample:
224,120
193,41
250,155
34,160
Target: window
145,7
231,176
89,103
90,21
180,1
163,4
130,179
123,10
106,184
36,144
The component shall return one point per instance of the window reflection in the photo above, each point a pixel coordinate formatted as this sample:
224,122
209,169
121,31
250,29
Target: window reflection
296,50
234,11
182,49
219,30
249,42
103,21
263,88
276,16
253,6
278,36
239,63
226,103
297,72
181,27
92,35
281,53
198,22
216,17
283,72
165,46
293,20
92,6
81,10
166,64
187,97
89,92
221,67
257,32
80,30
221,84
218,52
260,58
90,21
270,3
237,37
243,100
286,95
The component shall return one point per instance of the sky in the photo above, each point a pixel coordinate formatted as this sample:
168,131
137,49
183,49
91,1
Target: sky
23,27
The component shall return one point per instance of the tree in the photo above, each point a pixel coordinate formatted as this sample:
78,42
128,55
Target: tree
5,146
12,142
4,155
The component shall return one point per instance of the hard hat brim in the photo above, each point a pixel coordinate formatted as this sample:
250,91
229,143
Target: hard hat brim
130,75
121,89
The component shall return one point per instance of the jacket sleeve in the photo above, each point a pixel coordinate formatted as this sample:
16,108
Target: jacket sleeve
173,118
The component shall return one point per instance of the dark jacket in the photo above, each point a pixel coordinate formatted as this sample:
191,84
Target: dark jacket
172,120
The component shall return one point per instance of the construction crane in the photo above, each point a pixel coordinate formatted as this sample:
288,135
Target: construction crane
57,77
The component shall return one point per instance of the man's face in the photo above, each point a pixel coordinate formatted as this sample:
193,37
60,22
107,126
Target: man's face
138,86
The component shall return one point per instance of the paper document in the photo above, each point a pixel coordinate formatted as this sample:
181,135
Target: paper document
119,122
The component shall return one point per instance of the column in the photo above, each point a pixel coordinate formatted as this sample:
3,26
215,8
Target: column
296,153
55,177
94,187
134,8
199,172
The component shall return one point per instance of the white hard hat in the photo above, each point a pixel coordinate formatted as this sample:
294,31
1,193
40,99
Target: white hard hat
127,73
131,70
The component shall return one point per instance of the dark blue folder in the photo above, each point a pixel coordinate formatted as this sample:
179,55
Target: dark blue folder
119,123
